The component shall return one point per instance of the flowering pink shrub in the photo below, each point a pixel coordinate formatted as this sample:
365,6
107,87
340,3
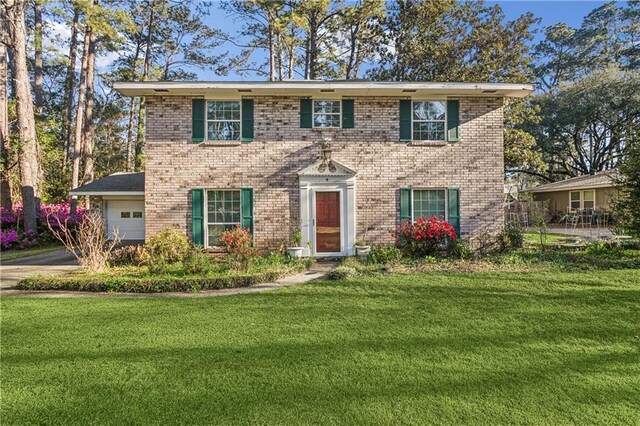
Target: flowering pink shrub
7,217
11,222
59,213
424,237
8,238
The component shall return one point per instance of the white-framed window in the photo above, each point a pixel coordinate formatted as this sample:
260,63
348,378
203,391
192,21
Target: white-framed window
223,120
223,212
428,203
582,199
327,114
428,120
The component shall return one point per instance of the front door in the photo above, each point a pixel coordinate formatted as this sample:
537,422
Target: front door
328,222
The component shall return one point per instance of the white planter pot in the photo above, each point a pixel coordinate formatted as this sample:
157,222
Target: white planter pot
295,252
363,250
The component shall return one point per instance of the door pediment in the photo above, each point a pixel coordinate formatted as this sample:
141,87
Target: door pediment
331,168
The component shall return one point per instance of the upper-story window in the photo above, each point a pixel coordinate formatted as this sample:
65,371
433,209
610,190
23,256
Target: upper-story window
326,113
429,120
223,120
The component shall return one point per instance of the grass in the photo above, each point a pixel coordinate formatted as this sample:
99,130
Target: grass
533,238
439,347
31,251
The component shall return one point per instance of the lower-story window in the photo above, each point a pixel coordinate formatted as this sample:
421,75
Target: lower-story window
428,203
223,212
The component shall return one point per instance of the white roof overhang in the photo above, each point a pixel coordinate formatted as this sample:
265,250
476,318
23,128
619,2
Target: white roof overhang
315,88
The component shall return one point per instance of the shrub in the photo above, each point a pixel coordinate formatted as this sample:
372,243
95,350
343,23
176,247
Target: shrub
342,273
86,240
381,254
237,244
461,251
132,255
198,261
512,237
425,237
8,238
167,246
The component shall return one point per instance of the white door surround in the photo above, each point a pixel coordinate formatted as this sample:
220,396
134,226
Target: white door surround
343,180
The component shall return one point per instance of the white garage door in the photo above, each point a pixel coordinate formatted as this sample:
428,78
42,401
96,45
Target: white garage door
126,218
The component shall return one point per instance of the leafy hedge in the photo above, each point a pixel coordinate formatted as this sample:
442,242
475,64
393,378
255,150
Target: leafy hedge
152,284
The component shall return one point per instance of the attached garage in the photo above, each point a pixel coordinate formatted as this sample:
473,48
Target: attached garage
120,197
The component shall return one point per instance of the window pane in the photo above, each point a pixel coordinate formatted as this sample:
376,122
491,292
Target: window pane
575,196
223,110
588,195
125,215
434,110
588,204
575,205
326,107
428,130
137,214
326,120
215,231
429,203
223,130
223,207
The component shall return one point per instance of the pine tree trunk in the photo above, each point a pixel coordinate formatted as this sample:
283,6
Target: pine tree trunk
70,87
272,52
5,183
132,114
88,140
28,159
37,69
145,75
77,140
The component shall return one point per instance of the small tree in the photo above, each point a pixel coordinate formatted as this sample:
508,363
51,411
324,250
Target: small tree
627,207
86,239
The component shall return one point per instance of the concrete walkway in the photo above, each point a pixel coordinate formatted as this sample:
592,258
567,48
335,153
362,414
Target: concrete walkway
319,270
590,233
50,263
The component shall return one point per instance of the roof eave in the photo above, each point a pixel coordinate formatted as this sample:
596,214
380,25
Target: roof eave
323,88
105,193
576,188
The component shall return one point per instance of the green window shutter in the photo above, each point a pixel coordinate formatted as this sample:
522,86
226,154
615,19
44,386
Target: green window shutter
454,209
247,120
197,120
348,120
306,113
246,207
405,120
405,205
453,120
197,216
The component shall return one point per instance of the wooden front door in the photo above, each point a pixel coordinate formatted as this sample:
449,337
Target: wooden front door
328,222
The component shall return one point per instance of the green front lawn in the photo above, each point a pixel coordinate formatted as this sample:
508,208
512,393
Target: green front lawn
438,347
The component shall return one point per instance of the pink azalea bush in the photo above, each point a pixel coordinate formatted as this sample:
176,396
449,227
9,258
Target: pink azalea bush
11,224
424,237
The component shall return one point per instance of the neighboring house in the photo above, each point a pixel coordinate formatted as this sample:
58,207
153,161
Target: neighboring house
222,153
596,191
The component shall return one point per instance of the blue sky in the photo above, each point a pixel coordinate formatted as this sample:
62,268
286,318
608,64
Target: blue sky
550,11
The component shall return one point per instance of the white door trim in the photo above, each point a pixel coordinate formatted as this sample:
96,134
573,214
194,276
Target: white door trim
346,187
314,252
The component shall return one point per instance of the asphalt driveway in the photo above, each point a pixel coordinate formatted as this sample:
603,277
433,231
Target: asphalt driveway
51,263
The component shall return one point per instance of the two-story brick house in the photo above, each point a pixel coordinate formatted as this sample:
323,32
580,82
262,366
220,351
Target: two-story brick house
221,153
